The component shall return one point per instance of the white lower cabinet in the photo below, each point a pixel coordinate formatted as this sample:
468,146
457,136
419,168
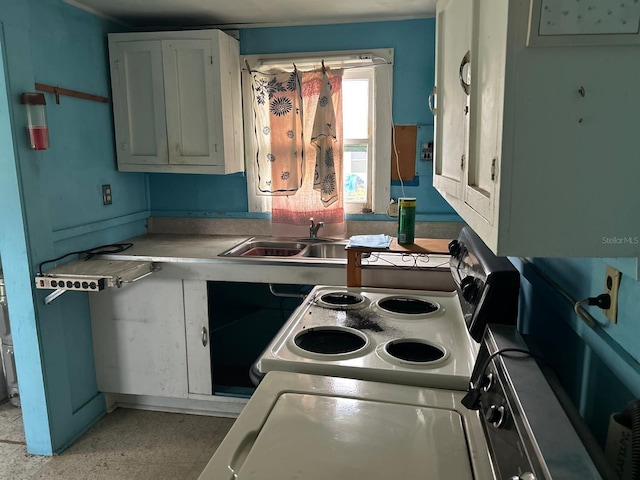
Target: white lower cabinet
148,338
547,165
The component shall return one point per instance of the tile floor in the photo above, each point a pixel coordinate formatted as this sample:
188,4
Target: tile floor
124,444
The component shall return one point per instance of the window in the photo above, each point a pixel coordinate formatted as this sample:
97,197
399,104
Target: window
366,124
357,115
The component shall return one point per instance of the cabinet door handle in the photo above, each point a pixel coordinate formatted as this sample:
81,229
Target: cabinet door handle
432,96
205,336
465,60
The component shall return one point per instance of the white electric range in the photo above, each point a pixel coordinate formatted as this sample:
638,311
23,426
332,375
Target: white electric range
312,427
386,335
407,337
353,389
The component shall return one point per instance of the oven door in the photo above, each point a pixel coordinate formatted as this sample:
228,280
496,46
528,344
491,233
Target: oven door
314,428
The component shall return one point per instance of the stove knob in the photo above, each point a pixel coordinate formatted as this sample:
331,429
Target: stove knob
495,415
524,476
455,247
469,289
487,382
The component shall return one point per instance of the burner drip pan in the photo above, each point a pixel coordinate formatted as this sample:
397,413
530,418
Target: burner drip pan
414,351
342,300
330,341
406,307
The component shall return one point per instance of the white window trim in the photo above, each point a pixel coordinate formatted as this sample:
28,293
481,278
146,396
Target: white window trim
381,125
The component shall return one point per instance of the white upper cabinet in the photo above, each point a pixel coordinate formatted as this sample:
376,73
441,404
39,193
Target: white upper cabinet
176,101
551,164
453,47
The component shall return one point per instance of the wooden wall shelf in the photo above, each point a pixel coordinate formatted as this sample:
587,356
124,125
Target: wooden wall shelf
57,91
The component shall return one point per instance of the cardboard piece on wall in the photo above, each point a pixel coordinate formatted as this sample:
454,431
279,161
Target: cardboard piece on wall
405,141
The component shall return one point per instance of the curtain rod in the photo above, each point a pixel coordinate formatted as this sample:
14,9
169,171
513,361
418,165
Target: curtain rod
318,63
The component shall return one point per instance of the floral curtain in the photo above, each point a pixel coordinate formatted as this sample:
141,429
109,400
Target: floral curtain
320,195
323,138
277,109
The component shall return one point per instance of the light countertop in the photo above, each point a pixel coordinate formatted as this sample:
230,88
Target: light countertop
196,257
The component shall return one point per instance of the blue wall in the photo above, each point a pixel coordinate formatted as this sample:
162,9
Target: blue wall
598,367
52,204
413,42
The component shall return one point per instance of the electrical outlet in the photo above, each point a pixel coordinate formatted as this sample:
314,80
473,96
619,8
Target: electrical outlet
107,197
392,210
426,151
611,286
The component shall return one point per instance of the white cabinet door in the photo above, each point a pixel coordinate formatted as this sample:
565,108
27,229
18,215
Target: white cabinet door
487,101
138,102
190,86
196,313
453,44
138,338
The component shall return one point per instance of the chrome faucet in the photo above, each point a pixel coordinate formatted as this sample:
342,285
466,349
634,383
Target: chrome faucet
314,227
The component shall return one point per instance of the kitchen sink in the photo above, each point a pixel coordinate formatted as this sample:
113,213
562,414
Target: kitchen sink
326,250
265,248
289,249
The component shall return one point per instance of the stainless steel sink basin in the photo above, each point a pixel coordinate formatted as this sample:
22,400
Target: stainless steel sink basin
276,249
266,248
326,250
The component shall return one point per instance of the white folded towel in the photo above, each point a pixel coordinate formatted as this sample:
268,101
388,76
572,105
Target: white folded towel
370,241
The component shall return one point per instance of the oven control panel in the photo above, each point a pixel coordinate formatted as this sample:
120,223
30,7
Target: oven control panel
509,443
528,432
488,285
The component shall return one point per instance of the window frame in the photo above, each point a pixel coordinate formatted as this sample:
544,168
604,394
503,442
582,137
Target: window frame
381,123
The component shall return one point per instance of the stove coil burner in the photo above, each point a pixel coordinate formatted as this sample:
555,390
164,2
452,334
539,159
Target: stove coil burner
340,300
330,340
414,352
406,307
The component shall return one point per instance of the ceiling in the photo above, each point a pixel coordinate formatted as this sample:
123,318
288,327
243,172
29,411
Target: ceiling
149,13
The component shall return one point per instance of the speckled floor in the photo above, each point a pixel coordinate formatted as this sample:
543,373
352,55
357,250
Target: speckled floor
125,444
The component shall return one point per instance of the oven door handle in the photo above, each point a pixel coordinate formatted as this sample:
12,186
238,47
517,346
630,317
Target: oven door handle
241,453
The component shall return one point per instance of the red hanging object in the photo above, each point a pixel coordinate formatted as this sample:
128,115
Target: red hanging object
36,120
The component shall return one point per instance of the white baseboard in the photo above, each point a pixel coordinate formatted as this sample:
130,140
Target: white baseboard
215,406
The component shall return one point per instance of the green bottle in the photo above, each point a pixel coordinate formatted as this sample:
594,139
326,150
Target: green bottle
406,220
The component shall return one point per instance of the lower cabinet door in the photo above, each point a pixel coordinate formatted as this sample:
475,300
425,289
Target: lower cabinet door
138,338
196,316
